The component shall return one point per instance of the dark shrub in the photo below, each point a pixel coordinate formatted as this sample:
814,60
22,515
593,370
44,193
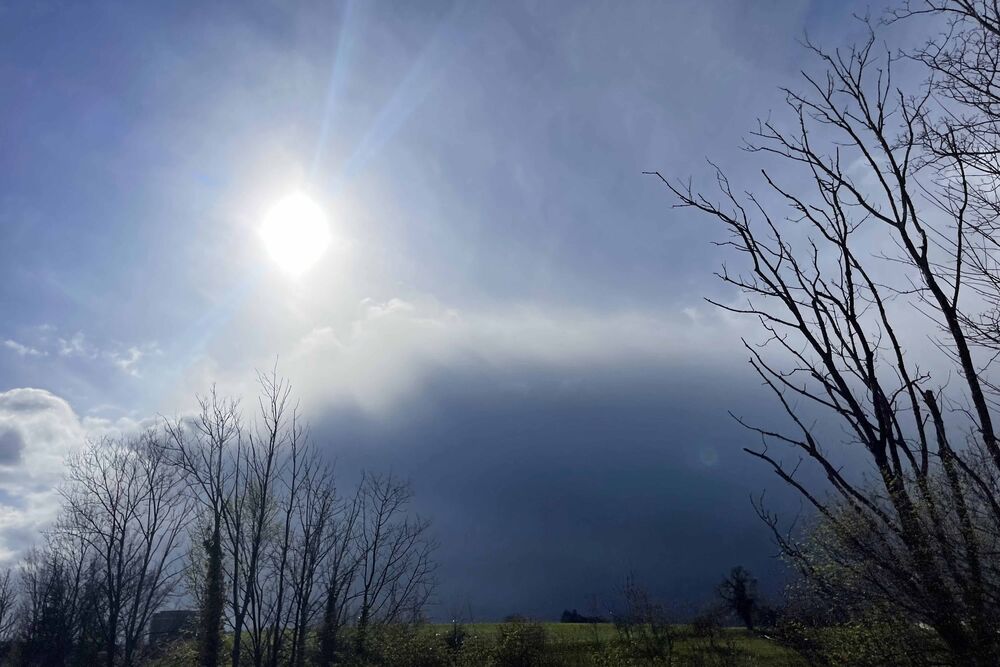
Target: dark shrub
707,624
455,639
520,643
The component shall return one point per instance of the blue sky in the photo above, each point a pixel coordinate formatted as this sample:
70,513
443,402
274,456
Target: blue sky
511,314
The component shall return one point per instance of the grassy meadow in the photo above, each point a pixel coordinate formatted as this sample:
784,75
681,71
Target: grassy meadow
541,645
596,644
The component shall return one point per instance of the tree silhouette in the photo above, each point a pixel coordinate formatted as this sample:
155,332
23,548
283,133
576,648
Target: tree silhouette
739,592
880,202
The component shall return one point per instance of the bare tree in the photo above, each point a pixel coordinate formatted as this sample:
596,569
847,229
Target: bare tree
207,450
396,571
252,507
291,493
315,511
338,573
643,624
124,501
261,486
8,610
264,462
61,604
305,499
894,213
281,549
965,66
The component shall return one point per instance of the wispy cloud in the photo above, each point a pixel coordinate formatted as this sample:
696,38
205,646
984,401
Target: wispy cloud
76,346
47,341
23,350
128,360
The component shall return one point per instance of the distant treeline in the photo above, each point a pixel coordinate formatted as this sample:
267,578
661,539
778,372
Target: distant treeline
576,617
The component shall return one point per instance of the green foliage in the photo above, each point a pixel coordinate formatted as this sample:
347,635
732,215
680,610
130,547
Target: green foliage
520,644
177,654
831,618
406,645
456,638
873,640
719,650
706,625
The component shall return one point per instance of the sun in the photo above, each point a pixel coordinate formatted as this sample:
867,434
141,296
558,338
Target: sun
295,233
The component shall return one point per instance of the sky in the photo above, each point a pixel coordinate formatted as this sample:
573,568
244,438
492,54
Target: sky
510,314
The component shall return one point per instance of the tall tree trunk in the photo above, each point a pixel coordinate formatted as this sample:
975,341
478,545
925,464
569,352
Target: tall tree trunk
330,630
210,639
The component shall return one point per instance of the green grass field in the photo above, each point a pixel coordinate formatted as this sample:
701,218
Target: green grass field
564,645
583,643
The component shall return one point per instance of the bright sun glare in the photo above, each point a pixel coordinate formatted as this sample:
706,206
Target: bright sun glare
295,233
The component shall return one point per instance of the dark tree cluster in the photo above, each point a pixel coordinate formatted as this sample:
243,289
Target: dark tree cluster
573,616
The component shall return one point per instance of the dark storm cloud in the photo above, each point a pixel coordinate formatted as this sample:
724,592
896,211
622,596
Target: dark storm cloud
545,491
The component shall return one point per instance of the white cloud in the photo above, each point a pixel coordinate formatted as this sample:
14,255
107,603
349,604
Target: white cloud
23,350
43,429
386,350
76,346
38,431
47,341
384,354
128,360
